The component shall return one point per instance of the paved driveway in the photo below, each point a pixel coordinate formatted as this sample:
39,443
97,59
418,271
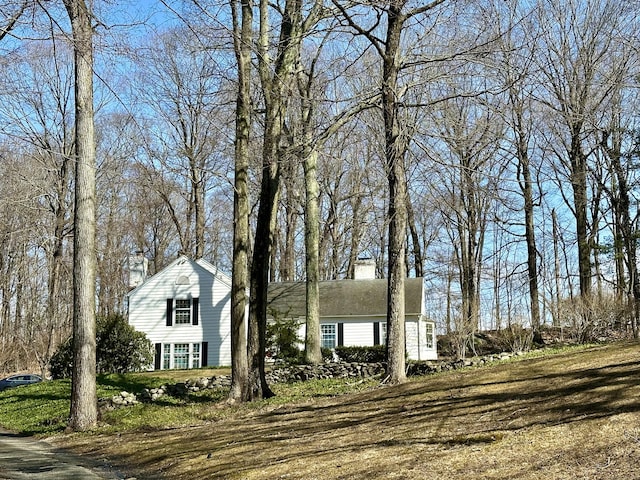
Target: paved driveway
26,458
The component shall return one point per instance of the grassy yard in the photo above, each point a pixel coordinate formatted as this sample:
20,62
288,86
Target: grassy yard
574,414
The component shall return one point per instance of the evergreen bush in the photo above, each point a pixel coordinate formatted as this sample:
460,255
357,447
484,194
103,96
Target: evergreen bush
370,354
119,349
283,342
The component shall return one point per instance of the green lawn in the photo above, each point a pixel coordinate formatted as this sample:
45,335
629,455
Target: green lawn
562,415
42,409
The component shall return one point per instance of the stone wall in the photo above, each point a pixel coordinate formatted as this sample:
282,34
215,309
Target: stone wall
297,373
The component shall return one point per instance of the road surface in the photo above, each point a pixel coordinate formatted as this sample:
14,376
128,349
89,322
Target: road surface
27,458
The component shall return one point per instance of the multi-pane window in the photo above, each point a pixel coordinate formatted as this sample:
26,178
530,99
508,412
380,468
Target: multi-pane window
181,355
430,335
166,360
328,334
195,355
183,311
383,333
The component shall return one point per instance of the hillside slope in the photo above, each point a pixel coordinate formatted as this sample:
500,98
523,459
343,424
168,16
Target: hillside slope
566,416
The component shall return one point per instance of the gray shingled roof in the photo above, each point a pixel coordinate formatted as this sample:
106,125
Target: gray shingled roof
343,298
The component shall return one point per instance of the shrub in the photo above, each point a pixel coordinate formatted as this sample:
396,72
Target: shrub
327,354
119,349
372,354
61,362
595,319
515,338
283,341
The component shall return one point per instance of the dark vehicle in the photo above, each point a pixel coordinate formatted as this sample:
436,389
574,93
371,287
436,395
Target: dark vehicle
16,380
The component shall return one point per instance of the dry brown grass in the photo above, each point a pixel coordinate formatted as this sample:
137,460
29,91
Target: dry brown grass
567,416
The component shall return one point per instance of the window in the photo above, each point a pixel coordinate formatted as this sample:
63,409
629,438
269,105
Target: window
166,362
383,333
195,355
328,335
181,356
183,311
430,335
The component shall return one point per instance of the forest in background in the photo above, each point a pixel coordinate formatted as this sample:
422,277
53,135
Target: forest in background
519,121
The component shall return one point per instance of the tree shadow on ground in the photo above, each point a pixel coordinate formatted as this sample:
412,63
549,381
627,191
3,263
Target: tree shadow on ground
474,407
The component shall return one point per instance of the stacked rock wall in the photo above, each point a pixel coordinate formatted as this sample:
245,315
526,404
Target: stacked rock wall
297,373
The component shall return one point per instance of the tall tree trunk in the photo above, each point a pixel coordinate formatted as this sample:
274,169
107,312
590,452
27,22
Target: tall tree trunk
580,199
197,182
276,85
312,342
625,225
243,33
526,186
259,279
396,177
556,263
54,321
84,411
418,259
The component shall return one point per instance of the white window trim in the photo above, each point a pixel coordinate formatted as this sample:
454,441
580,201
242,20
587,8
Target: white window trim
181,311
193,356
431,334
334,334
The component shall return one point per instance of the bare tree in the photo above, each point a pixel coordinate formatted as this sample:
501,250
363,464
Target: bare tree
576,77
12,14
179,83
620,149
471,130
242,12
39,114
276,78
84,402
516,58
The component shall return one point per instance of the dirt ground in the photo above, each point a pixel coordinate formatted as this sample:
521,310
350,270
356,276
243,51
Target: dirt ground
567,416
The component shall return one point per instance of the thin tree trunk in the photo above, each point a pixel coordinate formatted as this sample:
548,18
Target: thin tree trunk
526,186
199,207
556,276
579,183
418,259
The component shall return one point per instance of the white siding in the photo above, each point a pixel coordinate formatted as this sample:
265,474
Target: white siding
417,341
412,341
358,333
148,305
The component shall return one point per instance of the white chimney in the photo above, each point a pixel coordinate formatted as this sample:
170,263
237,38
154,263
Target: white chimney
138,266
364,269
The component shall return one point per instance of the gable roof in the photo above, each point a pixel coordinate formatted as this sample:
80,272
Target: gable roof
175,268
339,298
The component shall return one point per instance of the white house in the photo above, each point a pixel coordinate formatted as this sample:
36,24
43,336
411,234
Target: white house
185,311
354,312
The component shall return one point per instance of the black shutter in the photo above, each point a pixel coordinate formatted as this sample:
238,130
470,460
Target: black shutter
204,355
376,333
340,334
169,312
158,358
194,311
